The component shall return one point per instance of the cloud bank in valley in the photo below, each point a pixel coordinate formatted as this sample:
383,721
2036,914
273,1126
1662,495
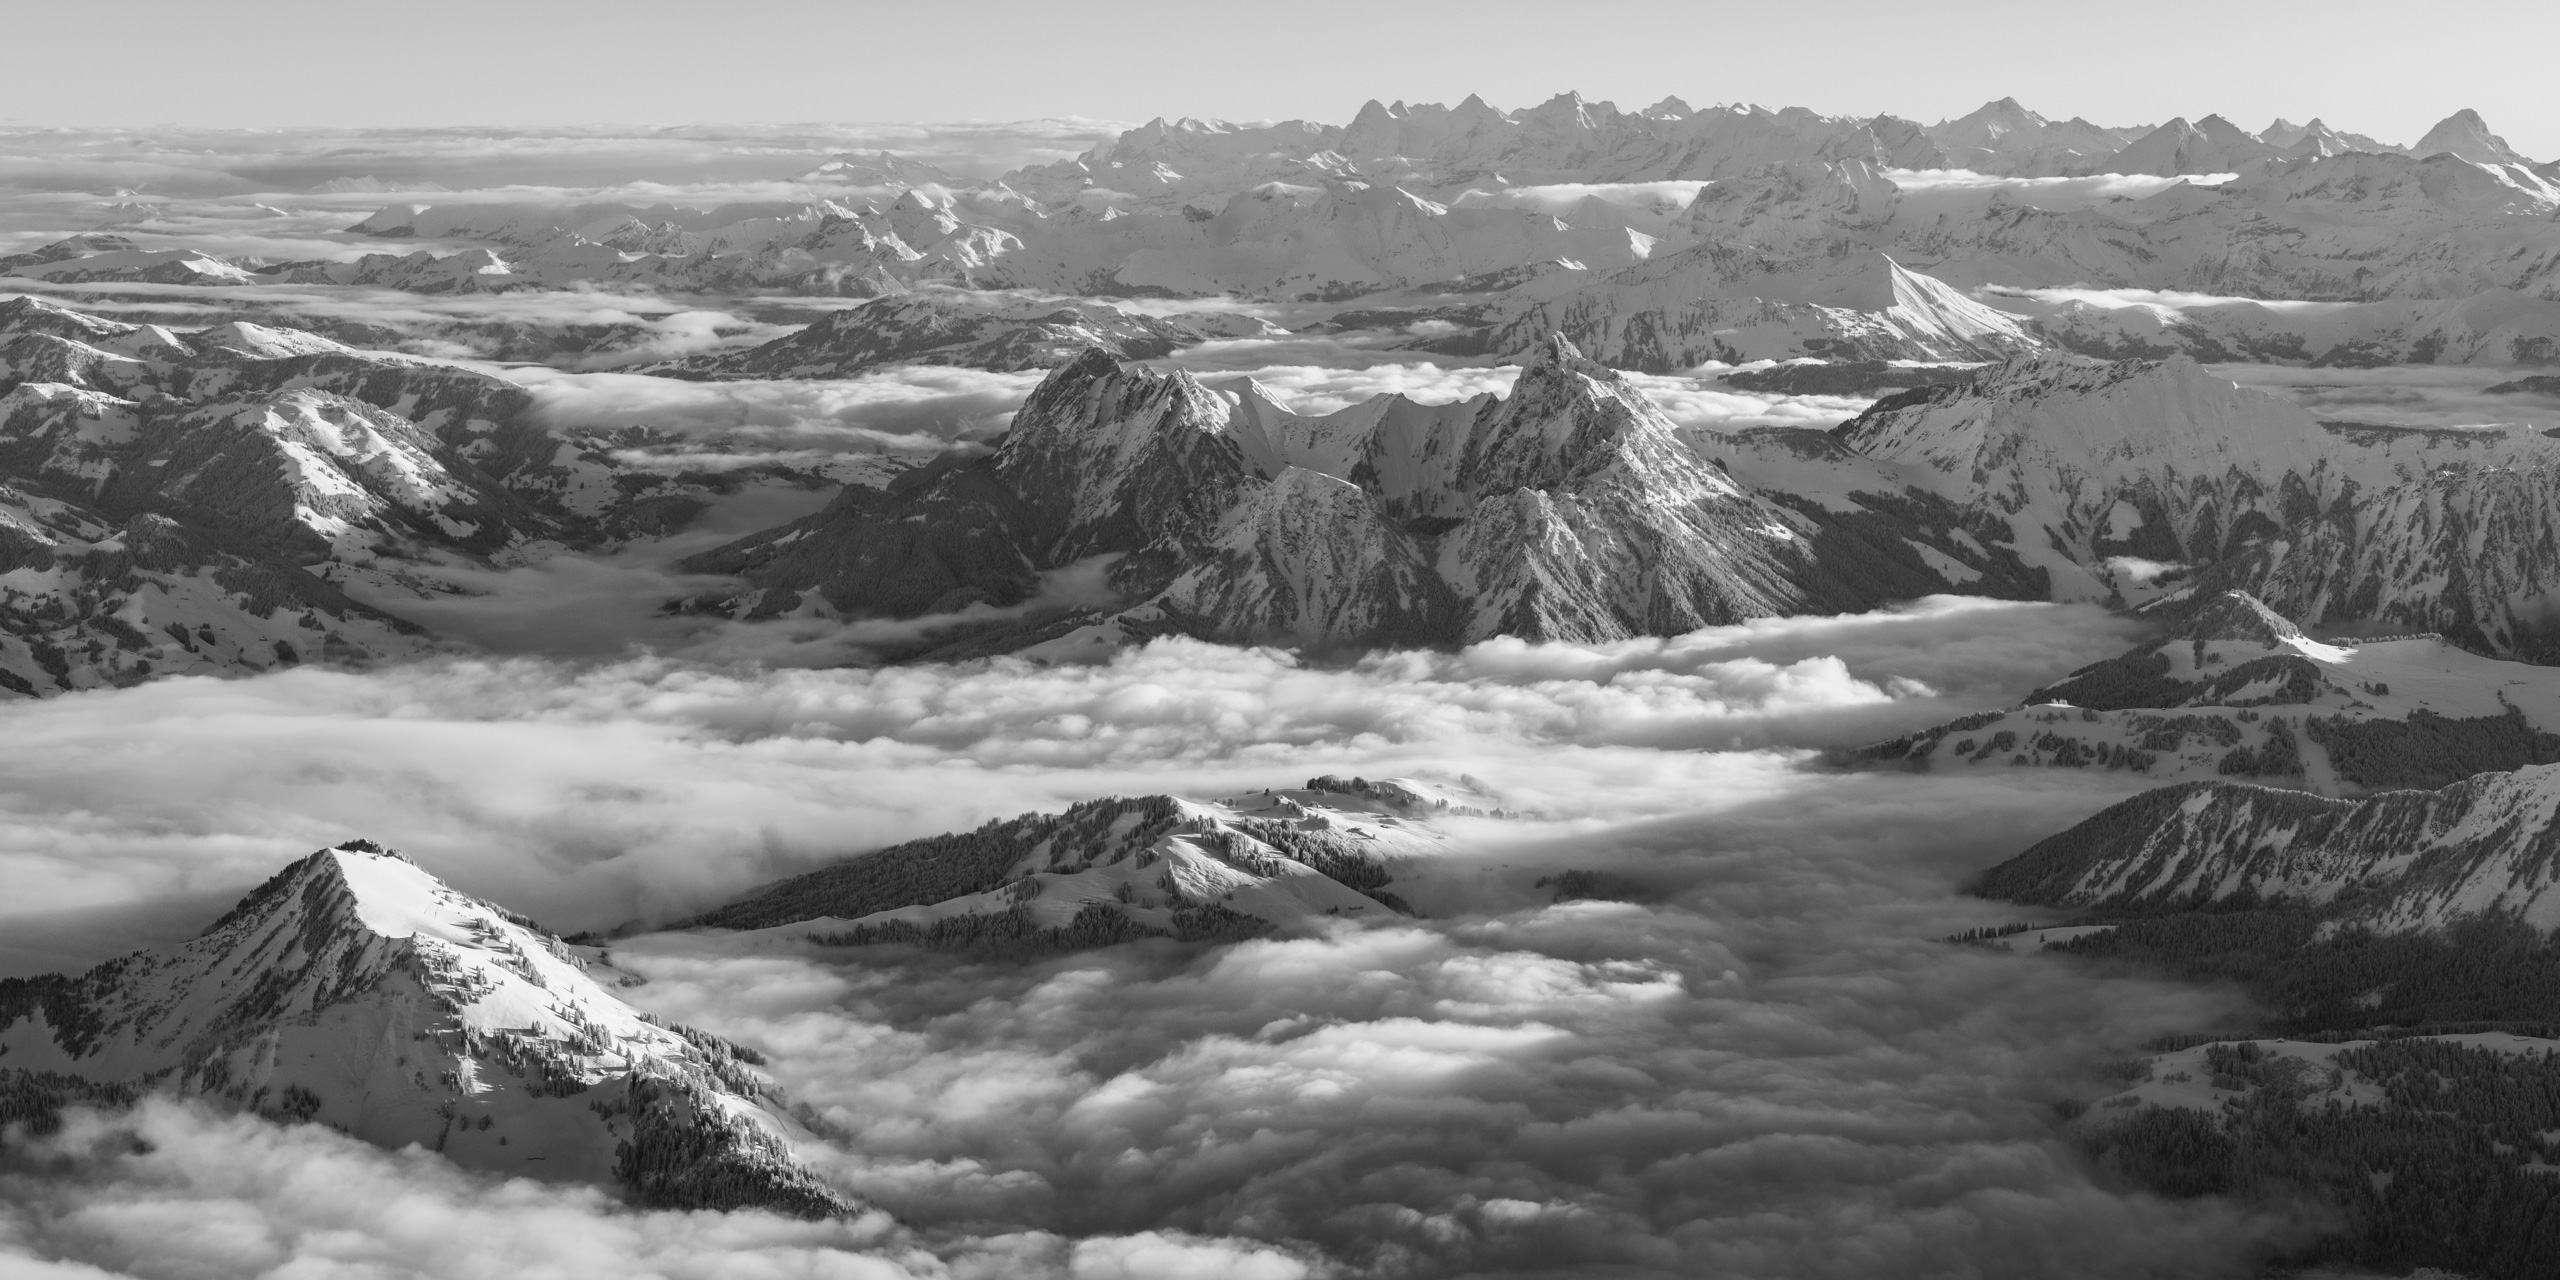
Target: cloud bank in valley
172,1191
909,408
599,162
1765,1068
587,794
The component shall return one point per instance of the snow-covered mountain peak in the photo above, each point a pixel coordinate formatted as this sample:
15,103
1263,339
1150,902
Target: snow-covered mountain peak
1110,870
1992,126
1118,456
356,989
1932,313
2466,135
1558,352
1567,417
1097,402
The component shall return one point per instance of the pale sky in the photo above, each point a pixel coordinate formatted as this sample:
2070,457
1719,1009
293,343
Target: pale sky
2387,69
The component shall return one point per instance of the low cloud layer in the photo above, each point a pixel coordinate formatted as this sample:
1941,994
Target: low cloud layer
912,407
574,162
587,794
1763,1065
1948,189
2401,395
1766,1069
173,1192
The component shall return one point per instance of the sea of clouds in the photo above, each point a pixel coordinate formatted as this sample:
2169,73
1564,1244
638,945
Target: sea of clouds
1767,1064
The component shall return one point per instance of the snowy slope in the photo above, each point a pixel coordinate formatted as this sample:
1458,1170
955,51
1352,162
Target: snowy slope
1108,871
1687,309
2117,480
1572,508
1424,196
356,990
2404,860
182,500
2239,690
87,602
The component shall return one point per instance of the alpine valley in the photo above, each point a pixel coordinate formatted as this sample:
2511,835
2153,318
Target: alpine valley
1467,692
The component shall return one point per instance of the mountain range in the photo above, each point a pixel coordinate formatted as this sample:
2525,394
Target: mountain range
2399,861
356,990
208,499
219,499
1573,510
1655,240
2236,690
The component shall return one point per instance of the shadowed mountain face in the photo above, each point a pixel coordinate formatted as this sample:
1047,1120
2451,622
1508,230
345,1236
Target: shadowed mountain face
1570,509
356,990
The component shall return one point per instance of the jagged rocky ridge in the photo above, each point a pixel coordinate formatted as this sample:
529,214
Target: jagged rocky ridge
2238,690
1653,239
1116,870
2160,485
1569,510
355,990
1573,510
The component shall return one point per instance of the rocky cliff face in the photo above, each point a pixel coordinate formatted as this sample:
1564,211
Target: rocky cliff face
2131,481
1570,509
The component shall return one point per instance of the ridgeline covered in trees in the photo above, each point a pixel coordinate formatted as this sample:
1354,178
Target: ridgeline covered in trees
2457,1166
2453,1167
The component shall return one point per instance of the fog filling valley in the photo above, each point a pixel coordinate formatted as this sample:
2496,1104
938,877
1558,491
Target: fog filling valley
1756,1056
1769,1065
